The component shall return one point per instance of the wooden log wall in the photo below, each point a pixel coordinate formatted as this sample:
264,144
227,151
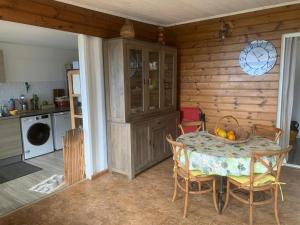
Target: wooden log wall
57,15
209,73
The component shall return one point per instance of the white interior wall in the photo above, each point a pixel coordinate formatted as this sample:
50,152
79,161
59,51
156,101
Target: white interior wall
35,63
43,67
296,105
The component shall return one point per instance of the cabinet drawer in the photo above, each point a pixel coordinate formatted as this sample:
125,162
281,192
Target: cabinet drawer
158,122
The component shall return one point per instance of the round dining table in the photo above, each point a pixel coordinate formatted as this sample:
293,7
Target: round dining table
214,157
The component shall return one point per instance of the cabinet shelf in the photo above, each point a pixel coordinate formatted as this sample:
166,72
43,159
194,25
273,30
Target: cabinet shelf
76,119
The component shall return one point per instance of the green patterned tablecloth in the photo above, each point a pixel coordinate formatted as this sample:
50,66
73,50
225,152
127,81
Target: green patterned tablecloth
214,157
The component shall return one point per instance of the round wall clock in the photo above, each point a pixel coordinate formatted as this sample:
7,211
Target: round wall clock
258,57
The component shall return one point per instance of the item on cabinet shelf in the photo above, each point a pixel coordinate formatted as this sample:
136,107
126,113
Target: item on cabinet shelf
161,36
127,30
62,102
153,66
34,102
68,66
58,92
75,65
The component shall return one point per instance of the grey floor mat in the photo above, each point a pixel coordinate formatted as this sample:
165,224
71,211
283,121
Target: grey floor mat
16,170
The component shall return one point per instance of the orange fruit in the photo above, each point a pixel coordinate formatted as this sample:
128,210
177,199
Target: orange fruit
231,136
217,130
222,133
231,132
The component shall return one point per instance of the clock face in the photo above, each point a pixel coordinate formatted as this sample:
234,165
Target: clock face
258,57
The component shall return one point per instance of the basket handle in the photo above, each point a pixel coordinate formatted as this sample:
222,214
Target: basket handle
228,116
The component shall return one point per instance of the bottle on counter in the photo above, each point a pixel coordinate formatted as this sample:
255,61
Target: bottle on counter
5,111
11,104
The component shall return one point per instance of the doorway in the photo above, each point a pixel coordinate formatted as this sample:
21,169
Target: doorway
288,116
33,66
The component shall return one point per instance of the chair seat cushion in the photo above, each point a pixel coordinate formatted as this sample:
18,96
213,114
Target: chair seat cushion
262,181
196,173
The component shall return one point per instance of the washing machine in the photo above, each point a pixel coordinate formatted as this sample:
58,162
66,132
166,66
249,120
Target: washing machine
36,135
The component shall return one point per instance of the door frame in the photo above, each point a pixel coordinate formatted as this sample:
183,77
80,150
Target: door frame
280,91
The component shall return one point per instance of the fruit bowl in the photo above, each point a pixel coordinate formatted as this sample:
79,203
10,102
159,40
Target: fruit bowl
228,130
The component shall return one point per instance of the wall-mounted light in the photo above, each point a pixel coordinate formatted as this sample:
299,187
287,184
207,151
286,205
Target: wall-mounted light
224,30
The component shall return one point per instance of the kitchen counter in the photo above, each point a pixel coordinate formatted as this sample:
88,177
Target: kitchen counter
35,112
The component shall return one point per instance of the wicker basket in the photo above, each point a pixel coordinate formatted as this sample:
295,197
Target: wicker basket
227,123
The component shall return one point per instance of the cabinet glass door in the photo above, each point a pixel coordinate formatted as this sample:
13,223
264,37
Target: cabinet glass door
154,80
169,79
136,80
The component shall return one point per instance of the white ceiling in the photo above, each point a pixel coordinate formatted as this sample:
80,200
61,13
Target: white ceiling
172,12
32,35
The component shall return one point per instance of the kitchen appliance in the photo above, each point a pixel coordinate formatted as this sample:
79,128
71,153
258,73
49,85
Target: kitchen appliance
36,135
61,122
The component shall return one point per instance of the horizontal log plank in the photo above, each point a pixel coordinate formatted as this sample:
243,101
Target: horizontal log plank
240,77
229,99
223,106
220,71
230,92
242,115
231,85
211,121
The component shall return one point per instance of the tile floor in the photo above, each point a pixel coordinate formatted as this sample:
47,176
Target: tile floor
113,199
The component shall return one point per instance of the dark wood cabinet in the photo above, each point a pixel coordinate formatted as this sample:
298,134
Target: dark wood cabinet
140,83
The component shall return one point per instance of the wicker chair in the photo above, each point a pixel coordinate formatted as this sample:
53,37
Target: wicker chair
198,125
185,177
268,182
271,133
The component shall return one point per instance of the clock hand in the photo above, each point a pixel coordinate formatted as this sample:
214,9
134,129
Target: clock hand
254,54
260,55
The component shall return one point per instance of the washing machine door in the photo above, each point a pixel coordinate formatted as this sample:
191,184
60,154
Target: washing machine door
38,134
